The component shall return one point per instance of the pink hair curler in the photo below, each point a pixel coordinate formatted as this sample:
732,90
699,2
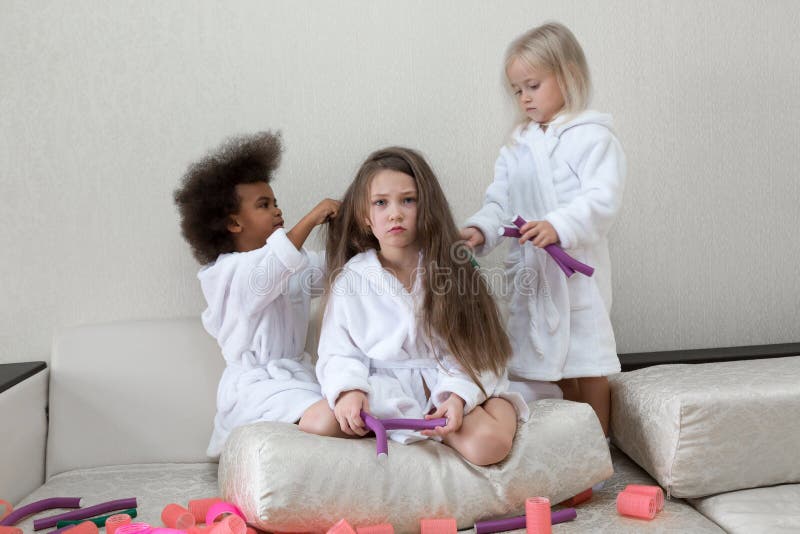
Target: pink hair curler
6,509
165,530
134,528
116,521
222,507
438,526
380,426
578,499
636,505
199,508
176,516
83,513
341,527
232,524
10,530
383,528
537,515
40,506
87,527
198,530
654,491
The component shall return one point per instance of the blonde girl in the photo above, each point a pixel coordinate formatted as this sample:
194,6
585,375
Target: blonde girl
410,329
563,172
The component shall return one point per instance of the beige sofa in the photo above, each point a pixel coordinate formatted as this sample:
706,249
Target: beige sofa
130,411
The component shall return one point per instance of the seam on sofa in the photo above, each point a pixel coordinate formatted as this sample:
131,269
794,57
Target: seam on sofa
677,448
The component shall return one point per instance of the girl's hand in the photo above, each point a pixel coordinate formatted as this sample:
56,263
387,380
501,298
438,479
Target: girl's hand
327,209
472,237
540,233
347,411
453,409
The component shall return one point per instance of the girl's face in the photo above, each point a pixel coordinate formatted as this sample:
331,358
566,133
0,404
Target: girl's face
537,91
258,216
393,209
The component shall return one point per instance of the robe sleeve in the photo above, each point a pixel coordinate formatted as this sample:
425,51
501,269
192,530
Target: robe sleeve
342,365
600,166
495,206
452,379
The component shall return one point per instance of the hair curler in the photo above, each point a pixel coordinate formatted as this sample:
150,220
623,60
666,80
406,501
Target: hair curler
636,505
83,513
380,426
39,506
566,263
654,491
99,521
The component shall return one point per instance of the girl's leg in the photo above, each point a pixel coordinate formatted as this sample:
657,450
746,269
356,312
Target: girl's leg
595,391
487,432
319,419
571,388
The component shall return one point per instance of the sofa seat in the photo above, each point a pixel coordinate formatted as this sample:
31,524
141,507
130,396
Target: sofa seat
766,510
153,485
599,515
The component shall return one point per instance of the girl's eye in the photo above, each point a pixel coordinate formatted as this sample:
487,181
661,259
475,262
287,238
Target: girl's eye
534,87
409,200
517,92
379,202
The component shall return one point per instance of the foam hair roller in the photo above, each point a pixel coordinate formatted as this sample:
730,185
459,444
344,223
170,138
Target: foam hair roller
380,426
10,530
176,516
83,513
341,527
220,508
199,507
117,520
383,528
438,526
40,506
566,263
134,528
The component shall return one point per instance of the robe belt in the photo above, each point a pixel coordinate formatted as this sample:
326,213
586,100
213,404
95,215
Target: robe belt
413,363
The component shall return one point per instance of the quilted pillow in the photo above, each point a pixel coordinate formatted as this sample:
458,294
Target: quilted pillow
286,480
711,428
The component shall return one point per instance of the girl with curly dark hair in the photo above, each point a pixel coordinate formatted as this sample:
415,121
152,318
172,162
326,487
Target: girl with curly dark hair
257,280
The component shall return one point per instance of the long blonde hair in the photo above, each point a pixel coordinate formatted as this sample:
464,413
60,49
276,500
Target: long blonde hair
552,47
458,307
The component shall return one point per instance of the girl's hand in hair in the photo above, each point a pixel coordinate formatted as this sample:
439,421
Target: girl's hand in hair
540,233
325,210
453,410
472,237
347,411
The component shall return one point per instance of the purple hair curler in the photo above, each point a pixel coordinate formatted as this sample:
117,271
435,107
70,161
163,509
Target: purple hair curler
380,426
567,263
515,523
40,506
83,513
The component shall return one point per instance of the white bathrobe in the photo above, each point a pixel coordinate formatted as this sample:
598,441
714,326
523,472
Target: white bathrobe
371,340
571,175
258,308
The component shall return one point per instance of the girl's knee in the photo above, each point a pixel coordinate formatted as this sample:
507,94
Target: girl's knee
488,446
319,419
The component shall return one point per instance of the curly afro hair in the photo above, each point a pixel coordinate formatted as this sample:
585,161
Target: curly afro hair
207,195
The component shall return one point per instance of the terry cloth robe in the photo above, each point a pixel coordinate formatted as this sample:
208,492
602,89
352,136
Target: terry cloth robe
258,309
371,341
571,175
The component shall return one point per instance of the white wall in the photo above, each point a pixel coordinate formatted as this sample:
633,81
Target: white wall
103,104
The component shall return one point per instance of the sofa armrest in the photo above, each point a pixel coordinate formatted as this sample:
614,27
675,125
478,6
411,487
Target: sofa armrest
23,405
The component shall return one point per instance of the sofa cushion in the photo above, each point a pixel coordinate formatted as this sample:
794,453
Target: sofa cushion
769,510
711,428
286,480
131,392
153,485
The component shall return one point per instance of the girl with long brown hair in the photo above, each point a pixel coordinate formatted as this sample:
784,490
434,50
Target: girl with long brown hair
410,327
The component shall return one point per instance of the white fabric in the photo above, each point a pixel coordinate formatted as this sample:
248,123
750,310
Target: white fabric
23,408
258,310
571,175
288,481
131,392
710,428
769,510
370,331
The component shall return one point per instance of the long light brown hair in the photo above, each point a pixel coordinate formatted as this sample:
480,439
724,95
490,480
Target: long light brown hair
458,307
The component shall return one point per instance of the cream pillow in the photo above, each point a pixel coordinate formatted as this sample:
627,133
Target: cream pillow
286,480
710,428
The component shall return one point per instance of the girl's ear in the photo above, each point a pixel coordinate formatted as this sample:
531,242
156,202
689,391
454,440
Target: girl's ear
233,225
